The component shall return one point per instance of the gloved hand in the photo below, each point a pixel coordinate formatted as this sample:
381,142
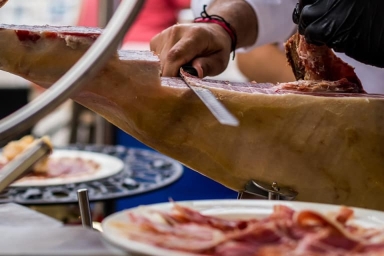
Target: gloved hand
355,27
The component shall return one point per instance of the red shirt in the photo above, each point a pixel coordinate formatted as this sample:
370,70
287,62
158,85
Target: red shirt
155,16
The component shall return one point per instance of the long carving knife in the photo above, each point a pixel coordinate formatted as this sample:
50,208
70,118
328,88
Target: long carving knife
208,98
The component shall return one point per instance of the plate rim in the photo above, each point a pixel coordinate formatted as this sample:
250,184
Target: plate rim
120,165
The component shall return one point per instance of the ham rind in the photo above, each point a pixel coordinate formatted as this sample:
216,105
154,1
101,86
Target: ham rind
326,145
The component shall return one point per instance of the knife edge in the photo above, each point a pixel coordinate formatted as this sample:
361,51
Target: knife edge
210,101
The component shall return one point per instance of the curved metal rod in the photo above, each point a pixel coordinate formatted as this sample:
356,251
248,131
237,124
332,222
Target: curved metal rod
92,61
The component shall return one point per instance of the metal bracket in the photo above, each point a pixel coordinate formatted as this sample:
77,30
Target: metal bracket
255,189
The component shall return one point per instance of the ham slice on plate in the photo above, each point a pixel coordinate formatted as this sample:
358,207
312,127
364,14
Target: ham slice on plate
289,229
48,167
321,139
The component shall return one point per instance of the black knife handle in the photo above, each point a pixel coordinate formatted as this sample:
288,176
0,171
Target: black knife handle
190,69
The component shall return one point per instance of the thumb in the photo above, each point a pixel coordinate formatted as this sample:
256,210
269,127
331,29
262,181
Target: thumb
211,65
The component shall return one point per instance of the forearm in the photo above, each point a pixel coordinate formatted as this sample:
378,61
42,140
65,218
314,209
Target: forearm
240,15
271,20
265,64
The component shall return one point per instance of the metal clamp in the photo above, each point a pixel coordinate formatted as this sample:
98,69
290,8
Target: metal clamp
255,189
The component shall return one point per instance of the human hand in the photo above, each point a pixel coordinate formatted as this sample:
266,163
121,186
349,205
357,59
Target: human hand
206,45
355,27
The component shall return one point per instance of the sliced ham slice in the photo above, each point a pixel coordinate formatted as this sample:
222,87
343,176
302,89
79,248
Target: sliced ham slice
326,145
186,215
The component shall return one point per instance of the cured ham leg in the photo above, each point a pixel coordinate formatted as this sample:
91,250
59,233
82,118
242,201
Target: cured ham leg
328,146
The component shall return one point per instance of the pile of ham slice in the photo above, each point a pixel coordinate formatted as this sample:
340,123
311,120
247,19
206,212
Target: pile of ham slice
284,232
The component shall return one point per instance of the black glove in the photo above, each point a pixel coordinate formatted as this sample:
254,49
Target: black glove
355,27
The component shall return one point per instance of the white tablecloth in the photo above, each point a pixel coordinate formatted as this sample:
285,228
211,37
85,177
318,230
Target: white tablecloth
27,232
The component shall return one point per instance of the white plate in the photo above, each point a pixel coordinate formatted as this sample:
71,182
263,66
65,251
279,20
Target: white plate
226,209
108,166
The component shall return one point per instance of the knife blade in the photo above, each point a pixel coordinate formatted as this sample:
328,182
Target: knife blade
208,98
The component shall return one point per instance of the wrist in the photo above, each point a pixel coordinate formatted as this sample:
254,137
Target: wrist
241,17
221,22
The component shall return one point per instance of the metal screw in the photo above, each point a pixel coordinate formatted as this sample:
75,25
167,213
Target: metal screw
274,196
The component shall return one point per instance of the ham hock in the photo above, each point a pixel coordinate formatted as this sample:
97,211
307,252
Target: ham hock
327,144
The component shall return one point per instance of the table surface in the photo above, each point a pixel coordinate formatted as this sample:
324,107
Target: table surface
27,232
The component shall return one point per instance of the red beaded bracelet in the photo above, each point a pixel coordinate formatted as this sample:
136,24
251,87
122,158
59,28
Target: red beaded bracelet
206,18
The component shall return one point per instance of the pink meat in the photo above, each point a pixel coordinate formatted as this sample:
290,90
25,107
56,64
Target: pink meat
284,232
319,63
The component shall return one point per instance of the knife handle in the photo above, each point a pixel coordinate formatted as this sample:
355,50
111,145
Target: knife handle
190,69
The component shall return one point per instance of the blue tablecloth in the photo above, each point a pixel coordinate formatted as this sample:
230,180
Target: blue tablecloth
191,186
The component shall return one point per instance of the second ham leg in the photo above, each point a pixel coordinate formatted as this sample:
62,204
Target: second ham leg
311,62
